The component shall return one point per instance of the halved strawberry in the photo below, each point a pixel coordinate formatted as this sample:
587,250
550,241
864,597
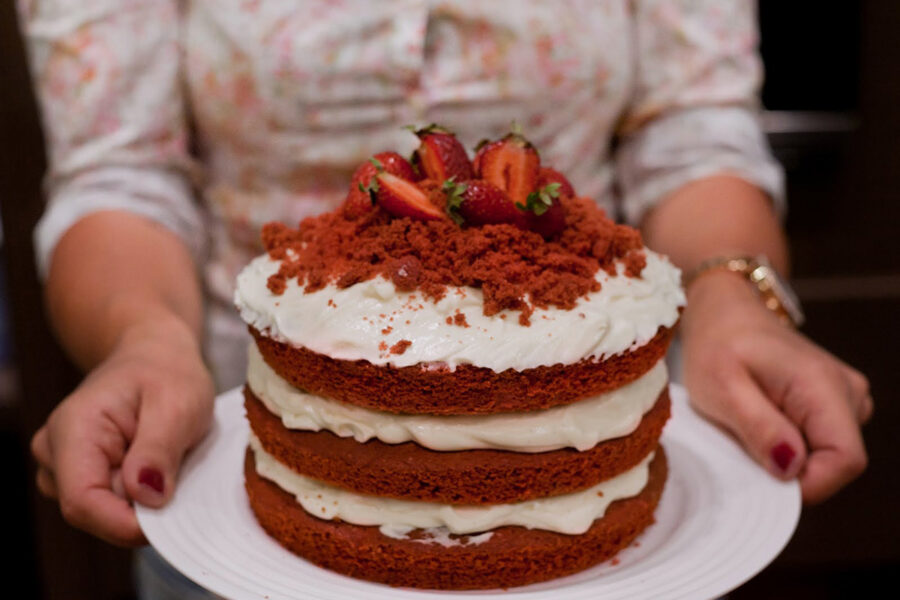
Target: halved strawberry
548,175
359,201
545,212
478,202
512,164
403,198
440,156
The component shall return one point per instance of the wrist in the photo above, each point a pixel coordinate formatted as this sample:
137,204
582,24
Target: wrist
716,291
772,290
141,323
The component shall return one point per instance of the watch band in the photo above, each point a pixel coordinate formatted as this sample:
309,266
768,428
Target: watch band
774,292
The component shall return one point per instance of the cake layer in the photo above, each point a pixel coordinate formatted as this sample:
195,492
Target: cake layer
468,390
410,471
571,513
371,320
580,425
508,557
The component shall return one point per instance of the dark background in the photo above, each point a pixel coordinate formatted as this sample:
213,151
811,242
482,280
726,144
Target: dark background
833,114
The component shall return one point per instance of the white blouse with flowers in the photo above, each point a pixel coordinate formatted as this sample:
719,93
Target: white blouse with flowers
212,117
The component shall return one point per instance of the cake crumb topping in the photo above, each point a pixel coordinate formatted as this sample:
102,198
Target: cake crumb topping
515,269
400,347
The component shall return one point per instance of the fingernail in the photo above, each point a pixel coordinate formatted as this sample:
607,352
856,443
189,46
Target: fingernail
783,454
153,479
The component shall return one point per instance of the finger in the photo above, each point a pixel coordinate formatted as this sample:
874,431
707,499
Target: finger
46,484
168,425
837,453
106,515
40,448
813,393
859,394
83,483
117,483
866,410
769,436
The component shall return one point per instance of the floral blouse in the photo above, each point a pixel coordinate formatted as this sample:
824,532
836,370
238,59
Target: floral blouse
212,117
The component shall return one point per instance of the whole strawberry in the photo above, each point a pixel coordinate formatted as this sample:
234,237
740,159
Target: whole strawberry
359,201
512,164
478,202
440,156
548,176
545,212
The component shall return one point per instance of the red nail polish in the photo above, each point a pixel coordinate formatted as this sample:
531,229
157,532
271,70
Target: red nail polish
152,479
783,454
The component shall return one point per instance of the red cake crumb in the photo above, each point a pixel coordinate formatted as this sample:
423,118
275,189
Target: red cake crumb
458,319
400,347
515,269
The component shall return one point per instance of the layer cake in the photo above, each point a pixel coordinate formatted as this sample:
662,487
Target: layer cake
443,399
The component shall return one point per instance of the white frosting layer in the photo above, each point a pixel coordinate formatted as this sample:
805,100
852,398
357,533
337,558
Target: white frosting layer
365,319
570,513
580,425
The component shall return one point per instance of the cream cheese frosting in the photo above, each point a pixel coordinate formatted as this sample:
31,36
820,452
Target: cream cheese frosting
362,321
569,513
580,425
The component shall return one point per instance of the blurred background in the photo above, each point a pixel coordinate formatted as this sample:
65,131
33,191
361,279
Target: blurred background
832,99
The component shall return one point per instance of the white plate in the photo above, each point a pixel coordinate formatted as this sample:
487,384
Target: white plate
720,521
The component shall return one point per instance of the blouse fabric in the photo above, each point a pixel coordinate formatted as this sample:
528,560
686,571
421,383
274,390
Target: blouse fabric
213,117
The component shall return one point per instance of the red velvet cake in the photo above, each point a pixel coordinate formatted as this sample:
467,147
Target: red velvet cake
457,378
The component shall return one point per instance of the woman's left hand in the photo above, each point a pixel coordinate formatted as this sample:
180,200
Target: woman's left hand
796,408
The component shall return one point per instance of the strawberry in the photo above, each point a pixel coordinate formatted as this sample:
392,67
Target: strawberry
359,201
403,198
477,202
440,156
545,212
548,175
512,164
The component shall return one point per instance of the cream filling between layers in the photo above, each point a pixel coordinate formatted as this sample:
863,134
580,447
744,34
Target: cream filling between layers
363,321
581,425
569,513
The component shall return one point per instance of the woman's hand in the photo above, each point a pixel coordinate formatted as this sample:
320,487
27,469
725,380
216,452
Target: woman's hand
121,435
796,408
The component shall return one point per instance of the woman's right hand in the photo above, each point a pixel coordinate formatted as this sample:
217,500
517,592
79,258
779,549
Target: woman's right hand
121,435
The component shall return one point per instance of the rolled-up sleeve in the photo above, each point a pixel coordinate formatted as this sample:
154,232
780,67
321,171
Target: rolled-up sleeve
694,112
107,79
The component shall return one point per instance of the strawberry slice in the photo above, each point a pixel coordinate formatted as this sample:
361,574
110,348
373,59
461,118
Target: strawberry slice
440,156
512,164
545,212
548,175
478,202
359,201
403,198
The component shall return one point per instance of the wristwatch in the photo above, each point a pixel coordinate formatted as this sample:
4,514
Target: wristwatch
774,291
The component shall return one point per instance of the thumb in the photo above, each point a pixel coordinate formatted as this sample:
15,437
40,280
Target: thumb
168,425
764,431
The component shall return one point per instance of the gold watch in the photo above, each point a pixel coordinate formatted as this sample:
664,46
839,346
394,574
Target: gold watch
774,291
